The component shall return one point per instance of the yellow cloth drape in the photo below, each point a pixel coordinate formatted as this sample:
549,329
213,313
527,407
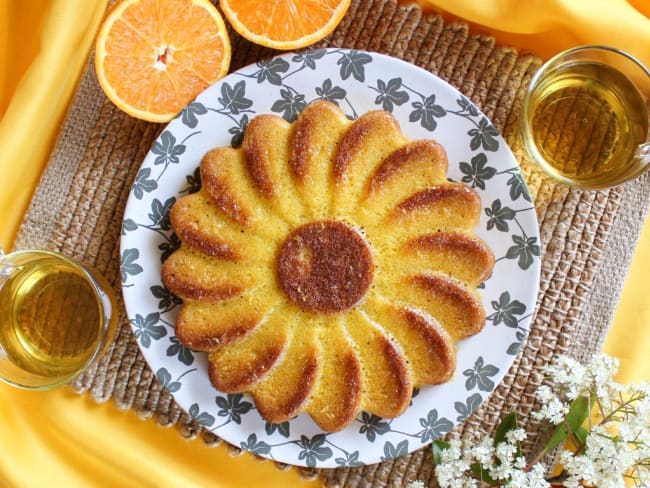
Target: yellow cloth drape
61,439
550,26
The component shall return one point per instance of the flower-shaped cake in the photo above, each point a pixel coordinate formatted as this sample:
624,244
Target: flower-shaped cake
327,266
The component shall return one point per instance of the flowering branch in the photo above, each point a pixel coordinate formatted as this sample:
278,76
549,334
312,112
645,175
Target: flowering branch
603,425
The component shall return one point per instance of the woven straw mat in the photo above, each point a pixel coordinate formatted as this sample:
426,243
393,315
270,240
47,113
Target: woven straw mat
587,237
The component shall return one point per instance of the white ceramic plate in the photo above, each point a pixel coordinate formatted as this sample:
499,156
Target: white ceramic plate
426,107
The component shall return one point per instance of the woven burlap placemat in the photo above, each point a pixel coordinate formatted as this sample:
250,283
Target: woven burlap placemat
587,238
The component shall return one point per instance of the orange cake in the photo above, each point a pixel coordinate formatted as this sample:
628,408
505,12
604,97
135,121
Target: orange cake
328,266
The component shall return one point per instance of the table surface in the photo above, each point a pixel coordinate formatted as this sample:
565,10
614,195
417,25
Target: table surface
82,443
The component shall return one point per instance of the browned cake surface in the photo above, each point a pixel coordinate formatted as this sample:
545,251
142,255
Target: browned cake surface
328,266
325,267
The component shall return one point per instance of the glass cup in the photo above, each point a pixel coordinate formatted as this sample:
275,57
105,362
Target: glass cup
585,117
56,318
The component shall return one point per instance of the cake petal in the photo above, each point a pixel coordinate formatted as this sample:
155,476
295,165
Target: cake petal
387,379
266,151
421,339
192,275
455,307
334,403
199,224
444,207
240,365
225,177
209,326
459,255
313,141
366,143
414,167
281,395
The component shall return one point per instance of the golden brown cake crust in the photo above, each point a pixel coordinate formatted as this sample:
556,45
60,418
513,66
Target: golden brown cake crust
177,282
306,135
342,401
328,266
189,231
427,151
438,195
258,136
453,296
476,257
213,180
355,137
187,333
437,343
245,376
297,393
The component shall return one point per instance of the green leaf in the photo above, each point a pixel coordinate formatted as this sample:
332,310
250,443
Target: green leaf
581,435
437,447
508,423
482,474
578,413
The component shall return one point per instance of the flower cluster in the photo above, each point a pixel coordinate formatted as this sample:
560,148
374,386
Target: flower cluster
603,424
466,465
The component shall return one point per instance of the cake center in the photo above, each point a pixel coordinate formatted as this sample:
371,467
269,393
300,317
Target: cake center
325,267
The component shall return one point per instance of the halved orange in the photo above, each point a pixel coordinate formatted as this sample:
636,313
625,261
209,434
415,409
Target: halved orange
154,56
284,24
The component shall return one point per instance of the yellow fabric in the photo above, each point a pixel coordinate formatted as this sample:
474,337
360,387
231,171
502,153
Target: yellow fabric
629,337
44,47
61,439
550,26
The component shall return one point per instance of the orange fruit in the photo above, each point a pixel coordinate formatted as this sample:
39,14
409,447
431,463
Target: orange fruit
154,56
284,24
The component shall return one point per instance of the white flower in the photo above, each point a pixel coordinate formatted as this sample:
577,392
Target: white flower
454,475
520,462
544,394
617,447
451,472
600,379
604,462
532,479
576,467
643,473
415,484
602,368
554,410
567,372
642,405
634,428
505,453
452,453
483,452
515,435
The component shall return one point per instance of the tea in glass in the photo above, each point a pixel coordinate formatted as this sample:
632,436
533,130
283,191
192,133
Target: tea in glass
55,316
585,117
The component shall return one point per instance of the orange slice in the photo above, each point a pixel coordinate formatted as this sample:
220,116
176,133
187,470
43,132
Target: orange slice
154,56
284,24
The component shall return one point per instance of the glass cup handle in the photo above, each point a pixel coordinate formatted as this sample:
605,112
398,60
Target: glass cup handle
642,152
6,270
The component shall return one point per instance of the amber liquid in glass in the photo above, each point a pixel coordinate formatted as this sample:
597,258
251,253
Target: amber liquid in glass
50,316
587,122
